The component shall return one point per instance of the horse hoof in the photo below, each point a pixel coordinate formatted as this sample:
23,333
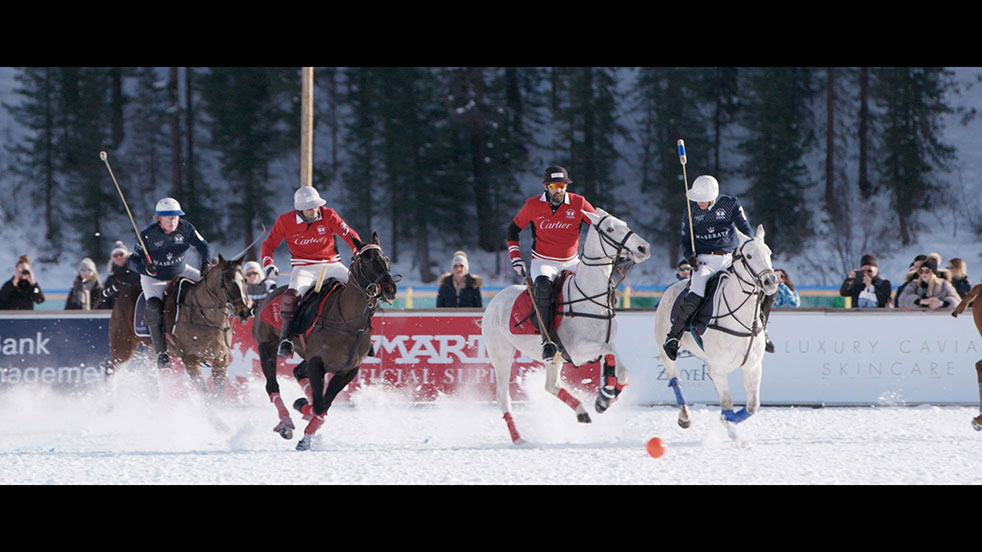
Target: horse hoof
304,444
299,404
583,418
977,423
286,433
684,424
519,442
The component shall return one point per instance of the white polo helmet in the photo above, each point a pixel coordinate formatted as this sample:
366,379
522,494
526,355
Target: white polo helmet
168,207
307,198
705,188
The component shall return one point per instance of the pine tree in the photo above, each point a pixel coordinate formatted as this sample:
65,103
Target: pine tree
669,103
248,110
912,100
35,158
584,112
780,132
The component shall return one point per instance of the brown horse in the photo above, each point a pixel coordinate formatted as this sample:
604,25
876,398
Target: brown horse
337,343
197,327
977,315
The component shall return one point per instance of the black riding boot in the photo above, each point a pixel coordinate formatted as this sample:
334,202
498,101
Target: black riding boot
154,316
288,309
543,300
687,310
765,313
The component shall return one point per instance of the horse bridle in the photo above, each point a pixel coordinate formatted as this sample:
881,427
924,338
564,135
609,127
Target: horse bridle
756,291
373,290
618,264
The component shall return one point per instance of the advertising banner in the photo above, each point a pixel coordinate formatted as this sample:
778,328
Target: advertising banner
823,357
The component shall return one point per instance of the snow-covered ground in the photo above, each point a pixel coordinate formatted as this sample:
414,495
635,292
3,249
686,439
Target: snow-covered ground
379,439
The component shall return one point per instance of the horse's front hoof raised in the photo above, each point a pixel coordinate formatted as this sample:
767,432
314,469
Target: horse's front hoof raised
977,423
285,428
583,418
684,424
304,444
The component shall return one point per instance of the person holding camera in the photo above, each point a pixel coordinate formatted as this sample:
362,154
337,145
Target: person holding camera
865,286
22,291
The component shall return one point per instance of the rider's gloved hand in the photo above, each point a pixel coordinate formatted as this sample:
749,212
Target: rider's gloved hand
518,266
272,271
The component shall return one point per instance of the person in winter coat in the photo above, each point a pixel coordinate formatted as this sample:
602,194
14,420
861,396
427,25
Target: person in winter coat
22,291
787,295
257,285
909,277
865,286
930,291
959,276
86,289
459,288
120,276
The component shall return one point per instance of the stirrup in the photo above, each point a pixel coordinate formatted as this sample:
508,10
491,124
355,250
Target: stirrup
549,350
285,349
671,347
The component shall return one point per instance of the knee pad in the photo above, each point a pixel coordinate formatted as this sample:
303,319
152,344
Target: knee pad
542,289
154,311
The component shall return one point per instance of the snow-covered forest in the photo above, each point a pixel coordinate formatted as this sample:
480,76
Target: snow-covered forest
835,162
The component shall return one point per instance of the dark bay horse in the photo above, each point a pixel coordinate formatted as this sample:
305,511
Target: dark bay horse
337,343
197,327
971,296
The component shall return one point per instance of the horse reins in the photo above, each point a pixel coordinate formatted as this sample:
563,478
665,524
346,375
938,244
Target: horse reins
757,292
611,287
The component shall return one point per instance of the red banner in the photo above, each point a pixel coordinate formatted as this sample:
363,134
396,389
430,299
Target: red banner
426,355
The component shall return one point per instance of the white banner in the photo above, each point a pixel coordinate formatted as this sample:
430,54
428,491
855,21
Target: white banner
826,357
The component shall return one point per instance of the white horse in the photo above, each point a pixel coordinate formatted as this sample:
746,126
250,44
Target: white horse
588,327
734,337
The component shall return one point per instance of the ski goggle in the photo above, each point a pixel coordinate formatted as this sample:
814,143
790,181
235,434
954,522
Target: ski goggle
556,186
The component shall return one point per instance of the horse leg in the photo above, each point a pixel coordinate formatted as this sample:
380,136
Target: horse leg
267,360
300,373
193,367
552,386
317,409
219,377
614,380
977,421
674,381
502,356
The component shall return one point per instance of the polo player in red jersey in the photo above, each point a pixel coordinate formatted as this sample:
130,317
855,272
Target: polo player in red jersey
309,233
555,217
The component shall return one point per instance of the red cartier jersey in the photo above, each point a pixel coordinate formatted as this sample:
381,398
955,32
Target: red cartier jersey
311,243
555,235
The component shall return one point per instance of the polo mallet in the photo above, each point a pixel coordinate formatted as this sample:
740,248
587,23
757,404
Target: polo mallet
688,206
102,155
320,279
538,315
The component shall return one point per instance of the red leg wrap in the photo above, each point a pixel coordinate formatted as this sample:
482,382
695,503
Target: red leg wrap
315,423
511,427
570,400
305,385
278,403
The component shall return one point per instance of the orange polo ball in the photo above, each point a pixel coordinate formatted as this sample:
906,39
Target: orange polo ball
656,447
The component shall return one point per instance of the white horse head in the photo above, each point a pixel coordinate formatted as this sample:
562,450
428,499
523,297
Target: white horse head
753,257
614,238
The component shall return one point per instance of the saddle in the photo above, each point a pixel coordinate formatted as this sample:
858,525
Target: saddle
139,310
707,309
309,309
523,318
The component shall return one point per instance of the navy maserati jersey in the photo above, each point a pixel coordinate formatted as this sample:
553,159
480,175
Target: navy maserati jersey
167,250
715,228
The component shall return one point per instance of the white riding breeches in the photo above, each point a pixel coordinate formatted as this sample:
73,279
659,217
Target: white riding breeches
305,277
153,287
708,265
551,269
